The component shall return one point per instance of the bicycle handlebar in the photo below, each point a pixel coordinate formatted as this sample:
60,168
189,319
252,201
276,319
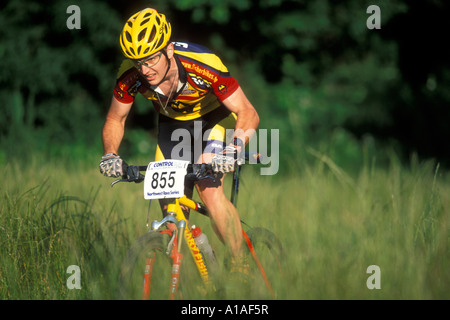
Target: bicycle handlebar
195,171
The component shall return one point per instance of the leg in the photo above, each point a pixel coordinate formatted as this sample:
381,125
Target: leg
225,217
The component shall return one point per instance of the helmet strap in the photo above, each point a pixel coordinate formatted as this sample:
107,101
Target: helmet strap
168,67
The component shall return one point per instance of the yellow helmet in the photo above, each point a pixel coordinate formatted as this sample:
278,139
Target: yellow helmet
145,33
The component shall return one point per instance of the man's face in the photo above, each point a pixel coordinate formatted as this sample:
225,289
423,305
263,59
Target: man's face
154,67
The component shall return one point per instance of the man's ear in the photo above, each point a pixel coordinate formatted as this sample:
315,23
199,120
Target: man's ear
170,50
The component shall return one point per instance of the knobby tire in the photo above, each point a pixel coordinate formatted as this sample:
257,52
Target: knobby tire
133,268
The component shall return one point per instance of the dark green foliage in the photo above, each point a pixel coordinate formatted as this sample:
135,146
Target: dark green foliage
312,69
55,82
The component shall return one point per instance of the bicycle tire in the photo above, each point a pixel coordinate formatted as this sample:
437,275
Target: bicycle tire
132,270
271,255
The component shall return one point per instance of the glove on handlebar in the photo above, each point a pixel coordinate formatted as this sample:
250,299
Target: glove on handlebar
227,159
113,166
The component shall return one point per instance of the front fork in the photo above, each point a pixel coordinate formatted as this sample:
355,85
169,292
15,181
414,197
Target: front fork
175,254
177,258
148,276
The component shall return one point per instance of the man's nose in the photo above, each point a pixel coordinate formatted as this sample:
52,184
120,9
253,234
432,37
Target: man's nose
145,69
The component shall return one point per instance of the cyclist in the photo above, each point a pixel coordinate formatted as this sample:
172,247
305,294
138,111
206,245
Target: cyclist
190,88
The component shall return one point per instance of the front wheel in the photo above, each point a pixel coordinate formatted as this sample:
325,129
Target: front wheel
146,271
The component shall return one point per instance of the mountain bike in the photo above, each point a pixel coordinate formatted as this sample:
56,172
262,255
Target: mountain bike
152,268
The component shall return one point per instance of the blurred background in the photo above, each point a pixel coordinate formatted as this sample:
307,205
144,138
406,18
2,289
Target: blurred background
312,69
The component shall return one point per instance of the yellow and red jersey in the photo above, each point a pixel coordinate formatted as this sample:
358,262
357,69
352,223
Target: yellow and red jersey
204,83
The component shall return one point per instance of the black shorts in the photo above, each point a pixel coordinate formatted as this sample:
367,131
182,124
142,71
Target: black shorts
188,140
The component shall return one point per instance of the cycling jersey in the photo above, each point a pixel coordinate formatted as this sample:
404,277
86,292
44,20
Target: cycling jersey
204,82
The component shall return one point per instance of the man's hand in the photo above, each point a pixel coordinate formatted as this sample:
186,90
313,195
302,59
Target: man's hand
228,158
112,165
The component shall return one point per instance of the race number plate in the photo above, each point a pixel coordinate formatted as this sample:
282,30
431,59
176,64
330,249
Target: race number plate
165,179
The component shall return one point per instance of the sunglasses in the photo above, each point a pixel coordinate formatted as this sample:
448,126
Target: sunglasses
148,62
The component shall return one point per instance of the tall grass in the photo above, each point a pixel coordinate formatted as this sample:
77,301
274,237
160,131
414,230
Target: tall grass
336,225
333,225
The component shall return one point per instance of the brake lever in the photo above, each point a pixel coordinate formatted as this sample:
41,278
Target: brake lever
133,175
117,181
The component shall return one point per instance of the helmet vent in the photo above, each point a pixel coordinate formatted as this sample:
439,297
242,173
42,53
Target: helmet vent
160,42
145,21
141,34
152,35
128,35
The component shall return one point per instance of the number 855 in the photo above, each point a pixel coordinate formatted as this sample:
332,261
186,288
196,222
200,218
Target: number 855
162,180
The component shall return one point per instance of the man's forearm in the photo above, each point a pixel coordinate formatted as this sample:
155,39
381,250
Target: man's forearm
112,136
246,124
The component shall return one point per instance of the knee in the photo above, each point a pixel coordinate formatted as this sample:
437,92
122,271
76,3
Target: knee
211,195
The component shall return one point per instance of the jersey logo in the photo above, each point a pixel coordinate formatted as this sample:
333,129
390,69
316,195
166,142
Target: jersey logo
134,89
199,81
181,44
223,89
119,94
188,92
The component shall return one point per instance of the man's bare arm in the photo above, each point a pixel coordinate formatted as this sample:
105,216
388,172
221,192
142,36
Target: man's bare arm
114,127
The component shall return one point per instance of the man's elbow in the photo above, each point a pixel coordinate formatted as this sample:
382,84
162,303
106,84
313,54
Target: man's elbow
256,118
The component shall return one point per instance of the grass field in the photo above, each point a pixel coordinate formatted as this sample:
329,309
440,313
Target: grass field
333,225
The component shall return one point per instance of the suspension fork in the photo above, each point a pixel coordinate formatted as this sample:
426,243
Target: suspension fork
148,272
175,244
148,276
177,258
176,255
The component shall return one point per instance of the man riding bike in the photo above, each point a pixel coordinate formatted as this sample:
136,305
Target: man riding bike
192,90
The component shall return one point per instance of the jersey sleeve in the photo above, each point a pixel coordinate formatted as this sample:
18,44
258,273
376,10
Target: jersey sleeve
225,85
127,81
208,68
